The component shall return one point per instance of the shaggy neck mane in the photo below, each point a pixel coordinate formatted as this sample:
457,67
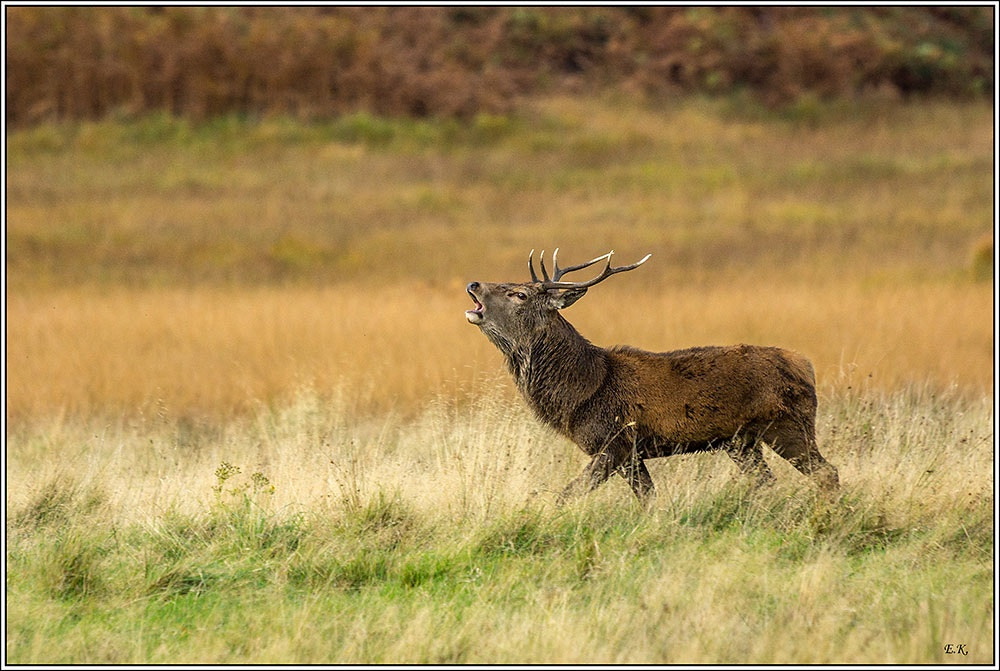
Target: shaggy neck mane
557,371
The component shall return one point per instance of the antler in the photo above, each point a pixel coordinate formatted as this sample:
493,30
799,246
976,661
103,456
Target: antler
554,283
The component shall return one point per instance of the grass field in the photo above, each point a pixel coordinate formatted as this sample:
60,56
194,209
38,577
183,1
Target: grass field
283,299
720,193
436,540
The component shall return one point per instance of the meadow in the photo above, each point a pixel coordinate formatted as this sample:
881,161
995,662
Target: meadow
247,422
302,534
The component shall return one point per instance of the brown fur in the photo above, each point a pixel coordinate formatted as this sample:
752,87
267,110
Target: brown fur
623,405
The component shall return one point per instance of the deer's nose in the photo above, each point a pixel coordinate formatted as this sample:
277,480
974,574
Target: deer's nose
472,286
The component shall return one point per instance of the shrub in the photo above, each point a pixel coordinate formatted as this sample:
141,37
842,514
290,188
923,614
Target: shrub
200,62
982,258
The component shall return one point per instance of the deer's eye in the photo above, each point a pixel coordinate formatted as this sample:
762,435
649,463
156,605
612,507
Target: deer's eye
519,295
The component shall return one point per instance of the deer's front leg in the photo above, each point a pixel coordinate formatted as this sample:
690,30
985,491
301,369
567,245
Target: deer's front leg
600,468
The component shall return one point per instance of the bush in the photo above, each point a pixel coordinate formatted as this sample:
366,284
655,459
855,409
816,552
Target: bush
982,258
199,62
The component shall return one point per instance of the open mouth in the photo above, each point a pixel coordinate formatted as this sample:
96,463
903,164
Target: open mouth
475,316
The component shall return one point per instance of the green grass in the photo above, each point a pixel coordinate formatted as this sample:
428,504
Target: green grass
318,538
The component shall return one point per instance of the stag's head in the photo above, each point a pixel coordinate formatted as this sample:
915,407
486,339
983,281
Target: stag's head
510,312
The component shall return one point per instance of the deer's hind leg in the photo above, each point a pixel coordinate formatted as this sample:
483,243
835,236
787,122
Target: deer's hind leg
748,456
795,441
637,475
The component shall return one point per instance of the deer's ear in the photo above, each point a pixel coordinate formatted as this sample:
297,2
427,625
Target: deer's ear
563,299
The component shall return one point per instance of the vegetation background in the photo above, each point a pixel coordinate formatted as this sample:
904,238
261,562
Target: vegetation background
247,422
73,63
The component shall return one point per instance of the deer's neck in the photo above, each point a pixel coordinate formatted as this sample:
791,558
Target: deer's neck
557,371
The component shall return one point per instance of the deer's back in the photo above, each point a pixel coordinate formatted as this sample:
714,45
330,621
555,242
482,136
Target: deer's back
705,393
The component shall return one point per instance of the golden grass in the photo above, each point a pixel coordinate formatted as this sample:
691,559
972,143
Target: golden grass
209,352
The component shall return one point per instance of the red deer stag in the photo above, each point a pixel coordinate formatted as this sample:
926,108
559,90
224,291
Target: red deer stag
623,405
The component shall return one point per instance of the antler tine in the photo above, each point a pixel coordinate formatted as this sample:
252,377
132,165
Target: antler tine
622,269
606,273
541,262
531,266
562,271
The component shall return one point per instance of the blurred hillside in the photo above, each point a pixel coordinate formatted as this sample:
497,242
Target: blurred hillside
66,63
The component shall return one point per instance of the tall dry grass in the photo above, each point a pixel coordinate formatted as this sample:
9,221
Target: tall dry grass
205,353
